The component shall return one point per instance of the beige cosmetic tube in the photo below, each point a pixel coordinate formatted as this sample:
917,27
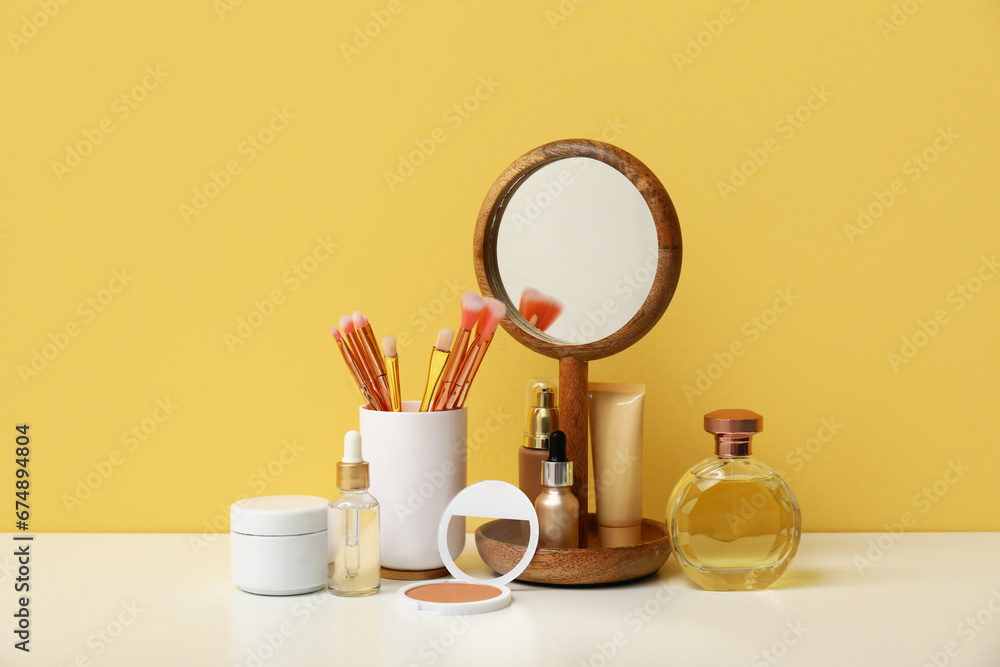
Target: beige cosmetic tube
616,440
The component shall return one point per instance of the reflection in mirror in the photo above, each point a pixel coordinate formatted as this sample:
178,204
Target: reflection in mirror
580,235
540,310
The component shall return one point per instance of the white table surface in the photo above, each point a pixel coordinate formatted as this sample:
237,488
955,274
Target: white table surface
145,600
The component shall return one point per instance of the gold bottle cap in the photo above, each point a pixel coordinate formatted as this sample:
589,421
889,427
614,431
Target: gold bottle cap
733,429
352,476
543,419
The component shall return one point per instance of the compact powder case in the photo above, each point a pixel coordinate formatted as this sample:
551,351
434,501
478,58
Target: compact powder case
466,594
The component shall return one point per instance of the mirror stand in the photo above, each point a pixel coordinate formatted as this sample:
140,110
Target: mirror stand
580,214
574,412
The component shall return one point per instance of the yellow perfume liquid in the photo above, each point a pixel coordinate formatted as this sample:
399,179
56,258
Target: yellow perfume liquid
734,522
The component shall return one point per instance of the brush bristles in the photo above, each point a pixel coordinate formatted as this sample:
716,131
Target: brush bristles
360,321
493,312
445,339
347,325
472,306
526,296
389,346
540,309
336,334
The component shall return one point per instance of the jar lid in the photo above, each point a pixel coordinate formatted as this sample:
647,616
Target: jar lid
278,515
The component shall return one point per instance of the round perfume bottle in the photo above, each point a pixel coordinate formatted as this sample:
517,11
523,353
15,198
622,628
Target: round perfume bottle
734,522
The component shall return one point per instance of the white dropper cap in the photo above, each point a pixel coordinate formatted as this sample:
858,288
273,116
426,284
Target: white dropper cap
352,447
352,471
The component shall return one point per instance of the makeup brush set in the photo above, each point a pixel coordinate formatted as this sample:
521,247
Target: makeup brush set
454,361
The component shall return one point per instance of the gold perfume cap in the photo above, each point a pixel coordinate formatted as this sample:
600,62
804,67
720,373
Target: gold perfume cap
733,430
543,419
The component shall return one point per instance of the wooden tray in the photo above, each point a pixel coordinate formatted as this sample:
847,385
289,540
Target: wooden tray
501,545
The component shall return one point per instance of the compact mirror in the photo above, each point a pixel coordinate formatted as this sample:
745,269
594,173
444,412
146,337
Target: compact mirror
581,242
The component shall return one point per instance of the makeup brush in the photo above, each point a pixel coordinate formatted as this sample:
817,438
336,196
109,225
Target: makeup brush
540,309
353,346
449,395
472,306
364,364
364,329
352,367
347,326
367,338
493,312
392,371
435,370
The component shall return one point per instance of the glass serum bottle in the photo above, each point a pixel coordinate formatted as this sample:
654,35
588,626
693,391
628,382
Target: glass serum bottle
734,522
354,567
557,508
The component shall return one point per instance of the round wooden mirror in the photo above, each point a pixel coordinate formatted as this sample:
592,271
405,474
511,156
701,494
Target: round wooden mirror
591,227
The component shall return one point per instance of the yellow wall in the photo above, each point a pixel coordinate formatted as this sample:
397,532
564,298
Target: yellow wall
888,81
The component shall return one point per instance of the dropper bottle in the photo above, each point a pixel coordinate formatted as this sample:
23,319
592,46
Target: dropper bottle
543,419
354,567
557,508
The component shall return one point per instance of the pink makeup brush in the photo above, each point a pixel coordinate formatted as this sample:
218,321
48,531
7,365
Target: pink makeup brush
366,366
352,366
493,312
364,332
364,329
472,306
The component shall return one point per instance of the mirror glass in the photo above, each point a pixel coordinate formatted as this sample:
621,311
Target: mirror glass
578,232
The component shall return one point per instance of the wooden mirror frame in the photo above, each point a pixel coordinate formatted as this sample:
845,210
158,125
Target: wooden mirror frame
573,358
668,234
